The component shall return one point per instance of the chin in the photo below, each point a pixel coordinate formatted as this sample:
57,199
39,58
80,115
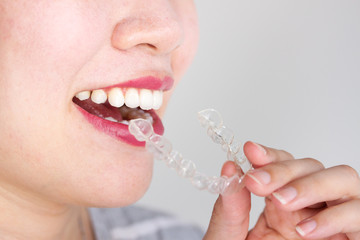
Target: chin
118,185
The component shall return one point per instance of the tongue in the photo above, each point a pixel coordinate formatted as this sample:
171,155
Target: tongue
100,110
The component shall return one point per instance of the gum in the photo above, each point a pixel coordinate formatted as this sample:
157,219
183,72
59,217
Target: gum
212,121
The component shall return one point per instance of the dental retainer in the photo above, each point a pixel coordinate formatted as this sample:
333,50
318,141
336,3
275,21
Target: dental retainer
162,150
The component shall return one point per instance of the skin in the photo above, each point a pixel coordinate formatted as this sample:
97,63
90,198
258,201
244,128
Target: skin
329,197
54,164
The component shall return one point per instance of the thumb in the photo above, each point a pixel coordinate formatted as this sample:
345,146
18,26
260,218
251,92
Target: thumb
230,217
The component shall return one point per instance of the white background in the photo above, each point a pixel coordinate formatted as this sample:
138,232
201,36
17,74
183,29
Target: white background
285,74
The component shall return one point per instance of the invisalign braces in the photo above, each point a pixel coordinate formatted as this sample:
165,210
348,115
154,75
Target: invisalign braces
212,121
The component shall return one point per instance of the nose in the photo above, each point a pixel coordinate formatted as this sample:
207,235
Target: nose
155,27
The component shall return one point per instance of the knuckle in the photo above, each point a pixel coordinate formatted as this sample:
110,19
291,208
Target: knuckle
283,166
316,162
284,154
284,169
350,172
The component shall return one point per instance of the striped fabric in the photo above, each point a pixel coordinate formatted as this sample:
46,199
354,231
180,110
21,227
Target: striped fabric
136,223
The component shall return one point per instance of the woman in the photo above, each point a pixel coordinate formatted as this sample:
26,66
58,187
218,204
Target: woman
67,67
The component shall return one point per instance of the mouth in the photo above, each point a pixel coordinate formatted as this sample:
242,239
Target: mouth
111,108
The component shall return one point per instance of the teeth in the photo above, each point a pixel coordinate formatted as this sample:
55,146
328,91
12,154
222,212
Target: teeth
158,99
146,99
83,95
132,99
126,122
111,119
98,96
116,97
148,117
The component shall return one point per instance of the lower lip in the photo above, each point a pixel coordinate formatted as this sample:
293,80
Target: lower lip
121,131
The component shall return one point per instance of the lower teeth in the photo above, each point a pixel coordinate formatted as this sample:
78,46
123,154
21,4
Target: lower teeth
134,113
130,114
111,119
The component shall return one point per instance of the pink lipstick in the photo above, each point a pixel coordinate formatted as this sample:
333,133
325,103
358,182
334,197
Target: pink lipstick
113,120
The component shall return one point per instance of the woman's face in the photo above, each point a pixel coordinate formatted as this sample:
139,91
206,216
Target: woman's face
52,50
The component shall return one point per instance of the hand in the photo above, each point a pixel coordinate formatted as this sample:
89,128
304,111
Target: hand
230,217
327,199
303,200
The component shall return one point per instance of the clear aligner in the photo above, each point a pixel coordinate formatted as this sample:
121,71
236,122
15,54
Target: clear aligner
211,120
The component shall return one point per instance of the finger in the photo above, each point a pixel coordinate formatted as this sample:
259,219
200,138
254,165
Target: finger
230,217
262,231
260,155
340,182
318,205
275,223
343,218
265,180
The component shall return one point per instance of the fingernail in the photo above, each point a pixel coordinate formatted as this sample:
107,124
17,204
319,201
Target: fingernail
285,195
260,176
260,148
306,227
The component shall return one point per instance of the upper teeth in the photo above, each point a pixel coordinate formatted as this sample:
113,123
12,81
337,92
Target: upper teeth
116,97
144,98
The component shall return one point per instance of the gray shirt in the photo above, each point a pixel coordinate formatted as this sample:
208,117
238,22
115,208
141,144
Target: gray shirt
137,223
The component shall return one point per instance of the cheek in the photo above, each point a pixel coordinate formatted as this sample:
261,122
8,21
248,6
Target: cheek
184,55
40,51
56,36
43,45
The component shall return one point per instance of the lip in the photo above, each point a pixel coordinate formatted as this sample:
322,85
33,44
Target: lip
148,82
121,131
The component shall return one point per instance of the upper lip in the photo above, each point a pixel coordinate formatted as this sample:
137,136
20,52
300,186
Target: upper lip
148,82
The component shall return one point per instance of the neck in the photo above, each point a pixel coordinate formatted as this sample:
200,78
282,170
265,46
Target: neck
24,216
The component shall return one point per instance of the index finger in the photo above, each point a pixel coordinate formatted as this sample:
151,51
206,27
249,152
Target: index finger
260,155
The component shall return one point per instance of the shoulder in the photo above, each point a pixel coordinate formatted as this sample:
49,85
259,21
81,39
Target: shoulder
139,223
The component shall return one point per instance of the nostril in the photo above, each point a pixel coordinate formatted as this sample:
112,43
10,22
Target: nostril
159,34
151,46
147,47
